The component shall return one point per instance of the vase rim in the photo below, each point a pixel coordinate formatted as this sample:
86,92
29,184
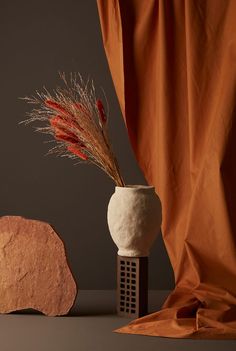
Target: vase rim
135,187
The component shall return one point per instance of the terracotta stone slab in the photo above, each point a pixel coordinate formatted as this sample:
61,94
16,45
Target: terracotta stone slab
34,272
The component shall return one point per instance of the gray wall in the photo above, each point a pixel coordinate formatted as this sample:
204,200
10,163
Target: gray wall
38,39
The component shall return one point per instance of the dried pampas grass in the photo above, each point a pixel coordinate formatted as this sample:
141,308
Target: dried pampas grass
77,120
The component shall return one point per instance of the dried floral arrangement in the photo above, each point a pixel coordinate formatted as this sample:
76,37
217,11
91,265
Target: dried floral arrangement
78,122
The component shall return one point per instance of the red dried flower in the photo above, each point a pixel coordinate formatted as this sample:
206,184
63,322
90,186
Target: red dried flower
101,111
56,121
66,137
59,122
57,107
76,151
78,121
62,133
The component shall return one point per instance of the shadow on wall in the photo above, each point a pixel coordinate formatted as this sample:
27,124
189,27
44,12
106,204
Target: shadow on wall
161,275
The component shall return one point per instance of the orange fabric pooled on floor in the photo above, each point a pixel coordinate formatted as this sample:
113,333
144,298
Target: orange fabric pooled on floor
173,64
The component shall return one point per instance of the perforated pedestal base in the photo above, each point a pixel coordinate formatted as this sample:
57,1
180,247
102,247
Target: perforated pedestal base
132,286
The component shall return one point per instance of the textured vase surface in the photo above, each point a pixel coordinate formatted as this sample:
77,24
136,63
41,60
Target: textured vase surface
134,219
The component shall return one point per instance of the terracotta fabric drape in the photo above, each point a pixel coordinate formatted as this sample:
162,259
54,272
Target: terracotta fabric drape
173,63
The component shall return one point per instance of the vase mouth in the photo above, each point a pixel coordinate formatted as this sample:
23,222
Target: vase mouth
135,187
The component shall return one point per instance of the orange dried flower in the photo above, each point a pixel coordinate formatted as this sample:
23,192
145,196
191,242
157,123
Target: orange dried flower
76,151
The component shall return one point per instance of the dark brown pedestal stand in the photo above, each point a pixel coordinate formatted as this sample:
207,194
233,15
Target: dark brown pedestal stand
132,286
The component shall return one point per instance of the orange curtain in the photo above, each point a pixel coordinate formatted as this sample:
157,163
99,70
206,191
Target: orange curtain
173,63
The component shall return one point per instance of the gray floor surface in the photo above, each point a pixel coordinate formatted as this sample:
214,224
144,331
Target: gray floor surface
90,328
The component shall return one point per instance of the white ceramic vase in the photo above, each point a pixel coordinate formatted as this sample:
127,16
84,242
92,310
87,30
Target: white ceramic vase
134,219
